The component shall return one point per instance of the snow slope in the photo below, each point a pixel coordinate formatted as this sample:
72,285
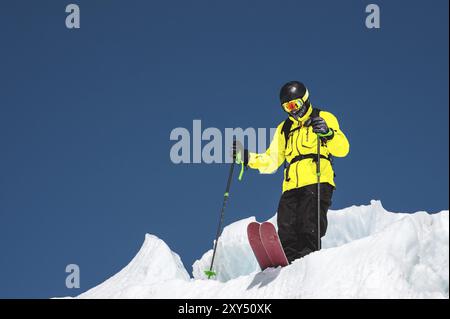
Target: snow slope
367,253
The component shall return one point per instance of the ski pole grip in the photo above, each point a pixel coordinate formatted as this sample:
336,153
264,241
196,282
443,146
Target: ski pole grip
241,173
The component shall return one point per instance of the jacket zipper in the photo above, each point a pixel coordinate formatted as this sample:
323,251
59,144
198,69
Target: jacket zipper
298,152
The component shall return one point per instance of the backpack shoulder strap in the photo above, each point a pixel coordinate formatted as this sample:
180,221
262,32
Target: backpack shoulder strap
286,129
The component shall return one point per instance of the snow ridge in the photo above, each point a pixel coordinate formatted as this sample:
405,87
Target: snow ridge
367,253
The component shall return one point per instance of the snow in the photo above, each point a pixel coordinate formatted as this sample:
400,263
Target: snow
368,252
154,263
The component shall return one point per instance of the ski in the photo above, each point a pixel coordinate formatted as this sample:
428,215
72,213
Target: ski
272,244
254,239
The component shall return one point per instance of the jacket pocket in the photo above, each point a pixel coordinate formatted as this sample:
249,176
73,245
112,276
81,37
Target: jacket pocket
289,146
308,138
291,173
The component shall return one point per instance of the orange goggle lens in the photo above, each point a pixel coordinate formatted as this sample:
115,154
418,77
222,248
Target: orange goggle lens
293,105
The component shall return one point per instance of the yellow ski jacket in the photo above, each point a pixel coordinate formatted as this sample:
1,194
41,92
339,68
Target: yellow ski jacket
301,141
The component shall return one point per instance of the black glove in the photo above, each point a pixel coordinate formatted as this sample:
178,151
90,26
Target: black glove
238,152
320,127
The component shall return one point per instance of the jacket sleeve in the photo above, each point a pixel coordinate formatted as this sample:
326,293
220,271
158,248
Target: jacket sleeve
269,161
338,145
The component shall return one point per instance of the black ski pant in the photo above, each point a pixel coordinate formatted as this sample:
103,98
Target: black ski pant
297,219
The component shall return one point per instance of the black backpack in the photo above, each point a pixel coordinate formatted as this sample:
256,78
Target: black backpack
286,129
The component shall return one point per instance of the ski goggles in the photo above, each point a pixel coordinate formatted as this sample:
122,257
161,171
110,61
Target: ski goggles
293,106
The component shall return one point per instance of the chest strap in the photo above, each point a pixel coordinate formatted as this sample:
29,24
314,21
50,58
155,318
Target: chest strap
301,157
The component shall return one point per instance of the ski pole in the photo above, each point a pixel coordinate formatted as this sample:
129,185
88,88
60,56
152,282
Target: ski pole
318,192
210,272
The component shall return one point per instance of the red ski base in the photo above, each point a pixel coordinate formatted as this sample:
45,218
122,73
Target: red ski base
266,245
272,244
258,249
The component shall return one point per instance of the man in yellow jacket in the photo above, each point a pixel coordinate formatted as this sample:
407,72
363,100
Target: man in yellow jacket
295,141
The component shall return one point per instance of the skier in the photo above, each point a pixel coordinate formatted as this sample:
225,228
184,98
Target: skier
295,141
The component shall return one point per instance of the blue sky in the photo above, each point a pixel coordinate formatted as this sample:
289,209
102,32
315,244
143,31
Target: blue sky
85,119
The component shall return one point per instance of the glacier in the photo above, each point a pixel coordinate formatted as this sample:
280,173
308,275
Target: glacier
367,252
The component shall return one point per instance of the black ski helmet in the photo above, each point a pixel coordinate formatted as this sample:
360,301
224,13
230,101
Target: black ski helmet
293,90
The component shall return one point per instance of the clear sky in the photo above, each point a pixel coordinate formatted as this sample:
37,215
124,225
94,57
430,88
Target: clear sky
85,119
